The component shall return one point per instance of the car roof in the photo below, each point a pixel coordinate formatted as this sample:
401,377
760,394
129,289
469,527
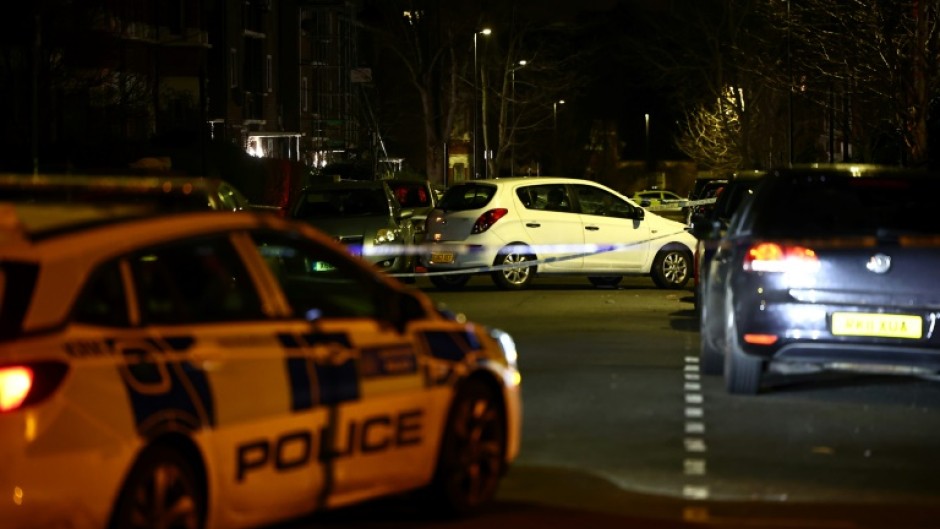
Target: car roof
68,256
347,184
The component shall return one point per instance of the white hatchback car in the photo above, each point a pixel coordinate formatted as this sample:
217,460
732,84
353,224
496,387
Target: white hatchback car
515,228
200,370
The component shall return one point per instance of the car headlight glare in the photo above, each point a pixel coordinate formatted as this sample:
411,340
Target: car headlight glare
385,235
508,346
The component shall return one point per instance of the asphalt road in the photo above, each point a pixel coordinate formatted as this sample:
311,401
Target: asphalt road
621,431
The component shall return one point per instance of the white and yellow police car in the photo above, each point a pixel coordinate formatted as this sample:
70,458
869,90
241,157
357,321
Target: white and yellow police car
207,370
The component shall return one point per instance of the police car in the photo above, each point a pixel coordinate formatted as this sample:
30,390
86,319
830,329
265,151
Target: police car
200,370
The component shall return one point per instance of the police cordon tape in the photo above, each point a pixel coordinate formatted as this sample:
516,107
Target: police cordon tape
586,250
682,204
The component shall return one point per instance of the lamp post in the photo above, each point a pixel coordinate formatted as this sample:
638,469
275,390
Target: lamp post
555,134
512,124
476,110
647,137
555,114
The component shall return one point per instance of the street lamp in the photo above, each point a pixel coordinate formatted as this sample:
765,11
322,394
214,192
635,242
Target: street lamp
647,116
476,110
555,114
512,106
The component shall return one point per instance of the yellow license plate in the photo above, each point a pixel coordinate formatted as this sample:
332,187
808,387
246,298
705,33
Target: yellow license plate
442,257
879,325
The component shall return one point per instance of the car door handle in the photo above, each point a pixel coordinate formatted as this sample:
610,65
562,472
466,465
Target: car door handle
532,225
591,228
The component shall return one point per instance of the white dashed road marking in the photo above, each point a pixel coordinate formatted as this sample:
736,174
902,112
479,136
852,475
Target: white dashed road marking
694,466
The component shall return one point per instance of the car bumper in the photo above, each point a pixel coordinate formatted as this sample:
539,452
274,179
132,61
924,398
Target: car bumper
803,334
440,257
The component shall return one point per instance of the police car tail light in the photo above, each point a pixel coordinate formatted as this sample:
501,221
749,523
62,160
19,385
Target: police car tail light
773,257
487,219
23,385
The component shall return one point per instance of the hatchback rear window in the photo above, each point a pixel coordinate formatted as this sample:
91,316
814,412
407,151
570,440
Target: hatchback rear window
832,205
467,196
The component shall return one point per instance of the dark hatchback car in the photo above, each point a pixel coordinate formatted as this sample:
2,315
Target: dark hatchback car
710,225
826,268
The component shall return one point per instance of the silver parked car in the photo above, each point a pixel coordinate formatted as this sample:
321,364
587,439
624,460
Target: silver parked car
363,215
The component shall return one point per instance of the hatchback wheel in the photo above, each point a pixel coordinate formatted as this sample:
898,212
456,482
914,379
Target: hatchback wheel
671,268
743,372
161,491
517,277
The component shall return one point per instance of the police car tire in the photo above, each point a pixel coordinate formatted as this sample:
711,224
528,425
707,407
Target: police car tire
472,455
183,496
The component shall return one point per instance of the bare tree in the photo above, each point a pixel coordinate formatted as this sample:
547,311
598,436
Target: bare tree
426,37
880,57
527,70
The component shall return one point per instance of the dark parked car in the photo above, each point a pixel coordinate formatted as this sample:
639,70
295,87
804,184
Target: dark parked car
826,268
710,226
363,215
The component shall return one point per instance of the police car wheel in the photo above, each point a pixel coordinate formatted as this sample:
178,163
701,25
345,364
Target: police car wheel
517,277
450,281
671,268
161,491
472,452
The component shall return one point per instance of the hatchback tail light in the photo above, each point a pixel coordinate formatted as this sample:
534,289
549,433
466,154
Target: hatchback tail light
487,219
773,257
27,384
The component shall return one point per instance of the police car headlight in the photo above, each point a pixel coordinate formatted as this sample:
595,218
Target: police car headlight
386,235
508,345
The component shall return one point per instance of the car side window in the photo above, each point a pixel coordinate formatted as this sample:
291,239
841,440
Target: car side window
595,201
318,283
551,197
103,300
197,281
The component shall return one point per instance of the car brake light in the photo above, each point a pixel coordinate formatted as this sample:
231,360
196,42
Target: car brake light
487,219
773,257
22,385
760,339
15,383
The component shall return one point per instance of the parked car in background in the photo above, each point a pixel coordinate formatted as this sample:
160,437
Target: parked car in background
563,226
705,190
416,197
710,226
366,217
664,203
826,268
148,193
204,370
